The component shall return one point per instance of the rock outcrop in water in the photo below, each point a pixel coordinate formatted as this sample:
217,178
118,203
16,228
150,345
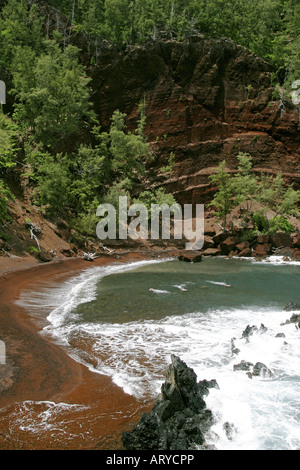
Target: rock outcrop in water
295,318
179,419
253,370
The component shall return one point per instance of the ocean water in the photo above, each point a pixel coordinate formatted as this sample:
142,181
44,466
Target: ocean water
126,320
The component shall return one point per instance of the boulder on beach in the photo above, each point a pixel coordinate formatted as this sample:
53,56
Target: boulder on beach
190,256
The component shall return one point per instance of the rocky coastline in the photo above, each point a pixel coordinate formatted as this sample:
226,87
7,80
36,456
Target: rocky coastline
180,419
241,239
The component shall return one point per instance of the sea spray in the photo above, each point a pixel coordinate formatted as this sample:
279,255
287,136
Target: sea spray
117,327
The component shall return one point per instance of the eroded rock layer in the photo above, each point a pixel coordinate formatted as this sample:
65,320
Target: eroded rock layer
206,100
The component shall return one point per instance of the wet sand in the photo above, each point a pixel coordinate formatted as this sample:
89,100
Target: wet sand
39,375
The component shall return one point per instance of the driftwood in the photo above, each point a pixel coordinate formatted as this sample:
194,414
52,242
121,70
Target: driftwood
34,237
9,254
89,256
92,256
33,228
107,249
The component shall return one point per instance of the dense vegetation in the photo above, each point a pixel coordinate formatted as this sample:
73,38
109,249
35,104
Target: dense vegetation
269,28
258,194
52,95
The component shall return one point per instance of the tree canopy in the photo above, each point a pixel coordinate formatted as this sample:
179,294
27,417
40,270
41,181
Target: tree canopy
269,28
52,95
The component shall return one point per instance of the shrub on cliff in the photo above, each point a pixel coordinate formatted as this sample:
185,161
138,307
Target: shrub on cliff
52,94
245,187
8,143
5,197
223,198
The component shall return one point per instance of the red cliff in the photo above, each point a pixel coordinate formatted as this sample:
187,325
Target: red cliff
206,100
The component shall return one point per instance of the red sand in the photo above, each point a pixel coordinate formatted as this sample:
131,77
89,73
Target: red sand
42,371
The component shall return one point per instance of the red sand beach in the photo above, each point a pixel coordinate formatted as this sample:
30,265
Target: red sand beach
47,400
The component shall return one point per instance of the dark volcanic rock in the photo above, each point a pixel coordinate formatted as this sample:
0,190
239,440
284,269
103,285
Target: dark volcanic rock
291,307
257,370
243,365
179,419
249,330
261,369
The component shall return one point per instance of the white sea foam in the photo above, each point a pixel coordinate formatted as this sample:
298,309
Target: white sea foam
42,416
275,260
264,411
60,299
279,260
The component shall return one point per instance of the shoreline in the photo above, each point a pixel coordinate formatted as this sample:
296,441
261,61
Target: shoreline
39,370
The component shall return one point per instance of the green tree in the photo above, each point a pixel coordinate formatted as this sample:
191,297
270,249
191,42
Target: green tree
54,99
223,198
118,20
128,150
156,196
5,197
245,182
276,195
291,38
20,25
90,173
8,156
8,143
53,186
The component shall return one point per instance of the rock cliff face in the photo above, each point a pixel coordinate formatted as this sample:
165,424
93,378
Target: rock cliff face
206,100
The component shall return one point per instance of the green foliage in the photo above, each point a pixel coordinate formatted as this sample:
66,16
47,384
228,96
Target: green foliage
245,183
53,185
52,99
33,250
129,150
95,173
52,94
8,149
269,28
280,223
170,166
20,26
5,197
85,223
273,193
90,170
223,198
156,196
261,224
8,143
244,187
249,235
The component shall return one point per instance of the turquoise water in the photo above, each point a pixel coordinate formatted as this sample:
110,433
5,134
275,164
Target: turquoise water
108,319
125,296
